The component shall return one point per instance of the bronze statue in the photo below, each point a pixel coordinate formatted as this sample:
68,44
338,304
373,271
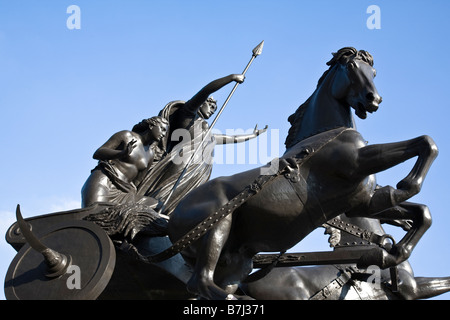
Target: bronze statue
188,120
222,224
125,156
122,158
219,226
347,281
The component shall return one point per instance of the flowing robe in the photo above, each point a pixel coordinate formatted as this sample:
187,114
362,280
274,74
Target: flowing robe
160,179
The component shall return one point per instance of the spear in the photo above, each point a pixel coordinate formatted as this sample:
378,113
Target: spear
256,52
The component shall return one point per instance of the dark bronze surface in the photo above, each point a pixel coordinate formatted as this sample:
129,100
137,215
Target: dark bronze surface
90,249
336,177
219,226
303,283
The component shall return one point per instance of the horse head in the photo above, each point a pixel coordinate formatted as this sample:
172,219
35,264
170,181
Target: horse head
353,80
348,83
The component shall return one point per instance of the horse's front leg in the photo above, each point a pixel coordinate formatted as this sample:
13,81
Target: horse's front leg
380,157
421,220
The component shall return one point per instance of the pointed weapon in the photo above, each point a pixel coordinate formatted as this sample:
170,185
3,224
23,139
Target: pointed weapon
256,52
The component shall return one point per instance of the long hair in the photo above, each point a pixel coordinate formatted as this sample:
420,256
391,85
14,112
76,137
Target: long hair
146,124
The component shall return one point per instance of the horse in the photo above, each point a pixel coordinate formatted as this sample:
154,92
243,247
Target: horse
324,171
348,282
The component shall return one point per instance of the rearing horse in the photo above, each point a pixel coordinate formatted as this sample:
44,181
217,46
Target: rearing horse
329,172
303,283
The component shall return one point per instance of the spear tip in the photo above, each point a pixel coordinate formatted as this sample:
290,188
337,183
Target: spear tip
258,50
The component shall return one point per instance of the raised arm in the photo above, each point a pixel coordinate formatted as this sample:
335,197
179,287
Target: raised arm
200,97
225,139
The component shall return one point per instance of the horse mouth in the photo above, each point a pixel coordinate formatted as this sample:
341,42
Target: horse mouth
361,110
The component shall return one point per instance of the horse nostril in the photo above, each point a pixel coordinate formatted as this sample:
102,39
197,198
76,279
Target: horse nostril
374,98
370,97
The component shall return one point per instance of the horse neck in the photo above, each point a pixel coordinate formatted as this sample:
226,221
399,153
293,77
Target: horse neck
322,112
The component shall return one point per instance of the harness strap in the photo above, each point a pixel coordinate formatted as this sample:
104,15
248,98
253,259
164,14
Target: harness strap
356,231
333,286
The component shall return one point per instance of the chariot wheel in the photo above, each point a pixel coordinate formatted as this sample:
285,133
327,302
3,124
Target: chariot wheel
73,260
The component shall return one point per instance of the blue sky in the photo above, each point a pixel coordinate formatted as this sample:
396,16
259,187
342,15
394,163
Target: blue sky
64,92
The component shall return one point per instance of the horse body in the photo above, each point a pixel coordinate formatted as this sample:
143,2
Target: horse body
294,209
304,283
328,173
290,215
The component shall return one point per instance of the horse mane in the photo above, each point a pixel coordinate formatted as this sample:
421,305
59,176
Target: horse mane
342,56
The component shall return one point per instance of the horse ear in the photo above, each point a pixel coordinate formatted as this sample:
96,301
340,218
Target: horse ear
343,53
333,60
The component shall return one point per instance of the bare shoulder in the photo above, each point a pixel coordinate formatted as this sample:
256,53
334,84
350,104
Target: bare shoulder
125,135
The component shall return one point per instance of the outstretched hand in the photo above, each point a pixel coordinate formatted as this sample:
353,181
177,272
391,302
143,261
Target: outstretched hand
259,131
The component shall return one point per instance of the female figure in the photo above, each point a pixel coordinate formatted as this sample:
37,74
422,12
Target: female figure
188,127
121,159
